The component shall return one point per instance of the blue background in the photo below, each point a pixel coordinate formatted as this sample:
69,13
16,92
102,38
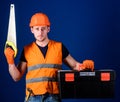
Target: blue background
90,29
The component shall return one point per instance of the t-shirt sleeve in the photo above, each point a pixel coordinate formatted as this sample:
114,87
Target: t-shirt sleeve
22,57
65,52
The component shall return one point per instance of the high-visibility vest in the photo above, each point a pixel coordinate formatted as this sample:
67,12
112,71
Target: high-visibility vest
42,72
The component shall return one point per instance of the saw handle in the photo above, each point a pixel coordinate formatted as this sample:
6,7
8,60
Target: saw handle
12,46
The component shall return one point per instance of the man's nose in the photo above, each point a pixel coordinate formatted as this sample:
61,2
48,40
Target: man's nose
40,31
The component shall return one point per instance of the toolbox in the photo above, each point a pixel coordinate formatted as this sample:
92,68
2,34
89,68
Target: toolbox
86,84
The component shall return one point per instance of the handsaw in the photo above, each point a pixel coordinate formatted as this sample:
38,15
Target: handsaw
11,36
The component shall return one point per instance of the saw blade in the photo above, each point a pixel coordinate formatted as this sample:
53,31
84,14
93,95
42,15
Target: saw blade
11,36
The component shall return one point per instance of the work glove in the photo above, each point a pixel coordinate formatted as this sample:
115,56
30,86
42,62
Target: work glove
10,52
88,64
11,44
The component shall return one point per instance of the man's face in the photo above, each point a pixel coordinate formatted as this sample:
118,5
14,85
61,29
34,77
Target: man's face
40,32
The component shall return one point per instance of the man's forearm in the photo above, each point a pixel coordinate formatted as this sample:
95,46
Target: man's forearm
14,72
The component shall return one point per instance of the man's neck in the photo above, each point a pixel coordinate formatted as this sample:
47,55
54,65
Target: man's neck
42,43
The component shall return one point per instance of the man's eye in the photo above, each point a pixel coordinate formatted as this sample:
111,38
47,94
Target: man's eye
42,29
37,28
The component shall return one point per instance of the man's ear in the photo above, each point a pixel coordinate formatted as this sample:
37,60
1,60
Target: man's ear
31,28
48,29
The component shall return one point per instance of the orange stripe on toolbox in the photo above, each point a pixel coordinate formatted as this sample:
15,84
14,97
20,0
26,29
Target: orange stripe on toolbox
69,77
105,76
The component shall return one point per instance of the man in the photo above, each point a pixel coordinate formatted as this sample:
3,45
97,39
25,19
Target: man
42,59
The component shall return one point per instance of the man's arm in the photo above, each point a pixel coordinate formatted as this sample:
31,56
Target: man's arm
17,72
75,65
72,63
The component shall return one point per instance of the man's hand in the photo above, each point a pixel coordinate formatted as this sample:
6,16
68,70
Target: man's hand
9,54
12,46
88,64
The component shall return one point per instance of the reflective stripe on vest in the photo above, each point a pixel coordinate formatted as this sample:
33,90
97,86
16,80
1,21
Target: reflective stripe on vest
41,79
58,66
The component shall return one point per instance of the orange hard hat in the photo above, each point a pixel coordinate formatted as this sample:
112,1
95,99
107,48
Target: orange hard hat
39,19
